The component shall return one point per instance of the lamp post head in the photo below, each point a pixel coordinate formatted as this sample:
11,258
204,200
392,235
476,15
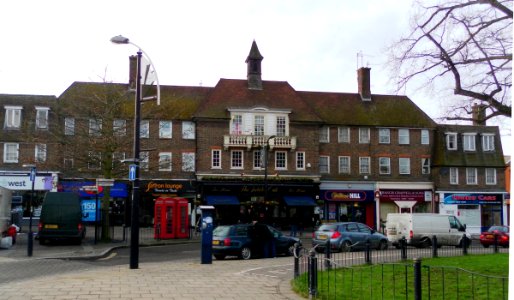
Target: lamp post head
119,39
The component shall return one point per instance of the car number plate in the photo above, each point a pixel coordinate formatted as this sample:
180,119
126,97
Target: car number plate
215,242
490,236
322,236
51,226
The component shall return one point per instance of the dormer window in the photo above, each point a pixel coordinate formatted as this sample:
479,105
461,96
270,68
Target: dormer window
12,117
468,140
42,117
451,141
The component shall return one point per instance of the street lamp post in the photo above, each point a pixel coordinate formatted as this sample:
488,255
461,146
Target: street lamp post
266,149
134,227
30,240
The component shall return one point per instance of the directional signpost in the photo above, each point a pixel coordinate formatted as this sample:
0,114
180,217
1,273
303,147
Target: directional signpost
132,172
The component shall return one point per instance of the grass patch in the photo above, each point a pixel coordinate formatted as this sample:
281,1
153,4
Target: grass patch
460,277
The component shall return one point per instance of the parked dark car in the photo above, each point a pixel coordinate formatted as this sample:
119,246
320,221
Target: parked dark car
242,240
502,236
347,236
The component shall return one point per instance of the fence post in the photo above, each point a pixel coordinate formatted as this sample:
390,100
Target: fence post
368,251
496,243
403,246
464,244
434,246
417,278
328,251
296,260
313,274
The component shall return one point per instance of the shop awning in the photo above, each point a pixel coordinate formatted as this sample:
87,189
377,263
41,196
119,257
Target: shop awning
299,201
222,200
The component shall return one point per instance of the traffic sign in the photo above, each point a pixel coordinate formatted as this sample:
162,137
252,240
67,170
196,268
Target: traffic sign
132,172
104,182
33,174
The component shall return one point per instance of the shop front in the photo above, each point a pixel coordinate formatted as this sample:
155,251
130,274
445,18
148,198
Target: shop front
241,202
21,186
118,195
154,189
403,201
478,211
349,205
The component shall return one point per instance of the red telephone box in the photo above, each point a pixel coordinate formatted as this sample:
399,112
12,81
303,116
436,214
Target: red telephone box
171,218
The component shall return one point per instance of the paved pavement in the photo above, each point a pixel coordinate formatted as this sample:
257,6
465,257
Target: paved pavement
228,279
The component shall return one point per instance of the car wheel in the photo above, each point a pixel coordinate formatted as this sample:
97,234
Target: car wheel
219,256
425,243
346,246
319,250
290,250
246,253
382,245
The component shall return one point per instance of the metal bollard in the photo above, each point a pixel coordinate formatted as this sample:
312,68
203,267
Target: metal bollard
434,246
313,274
417,278
296,260
368,251
328,253
464,243
403,246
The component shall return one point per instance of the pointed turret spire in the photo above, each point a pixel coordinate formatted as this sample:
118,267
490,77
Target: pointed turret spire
253,63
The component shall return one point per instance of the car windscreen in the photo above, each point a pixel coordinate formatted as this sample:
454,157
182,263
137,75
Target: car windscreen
221,231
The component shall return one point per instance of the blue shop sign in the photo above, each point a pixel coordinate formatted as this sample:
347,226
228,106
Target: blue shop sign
89,210
118,190
473,198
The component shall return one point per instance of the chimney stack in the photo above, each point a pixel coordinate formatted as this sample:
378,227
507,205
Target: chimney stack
364,86
478,114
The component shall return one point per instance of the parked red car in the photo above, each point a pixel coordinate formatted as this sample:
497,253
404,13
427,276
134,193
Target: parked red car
502,233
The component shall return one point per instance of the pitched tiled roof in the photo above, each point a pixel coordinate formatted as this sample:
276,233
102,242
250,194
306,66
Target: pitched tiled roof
14,99
459,157
382,110
177,102
233,93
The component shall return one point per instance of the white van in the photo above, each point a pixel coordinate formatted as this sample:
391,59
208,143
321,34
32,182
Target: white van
419,228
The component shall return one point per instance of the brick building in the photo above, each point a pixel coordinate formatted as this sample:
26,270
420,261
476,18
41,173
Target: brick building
255,149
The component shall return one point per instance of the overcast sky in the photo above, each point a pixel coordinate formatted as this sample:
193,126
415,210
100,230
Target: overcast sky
47,45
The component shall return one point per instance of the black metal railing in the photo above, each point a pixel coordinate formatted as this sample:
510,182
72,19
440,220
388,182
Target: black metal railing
385,274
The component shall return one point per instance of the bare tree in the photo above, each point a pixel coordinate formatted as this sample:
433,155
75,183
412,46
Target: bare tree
467,43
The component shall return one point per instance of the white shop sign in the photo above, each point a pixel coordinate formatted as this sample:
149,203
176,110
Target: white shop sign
23,183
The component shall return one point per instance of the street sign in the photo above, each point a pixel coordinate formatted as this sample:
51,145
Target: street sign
104,182
132,172
92,189
33,174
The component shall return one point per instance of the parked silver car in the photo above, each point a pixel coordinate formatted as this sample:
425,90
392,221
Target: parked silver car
347,236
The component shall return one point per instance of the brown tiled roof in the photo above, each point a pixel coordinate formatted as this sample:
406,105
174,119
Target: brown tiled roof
383,110
177,102
233,93
459,157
